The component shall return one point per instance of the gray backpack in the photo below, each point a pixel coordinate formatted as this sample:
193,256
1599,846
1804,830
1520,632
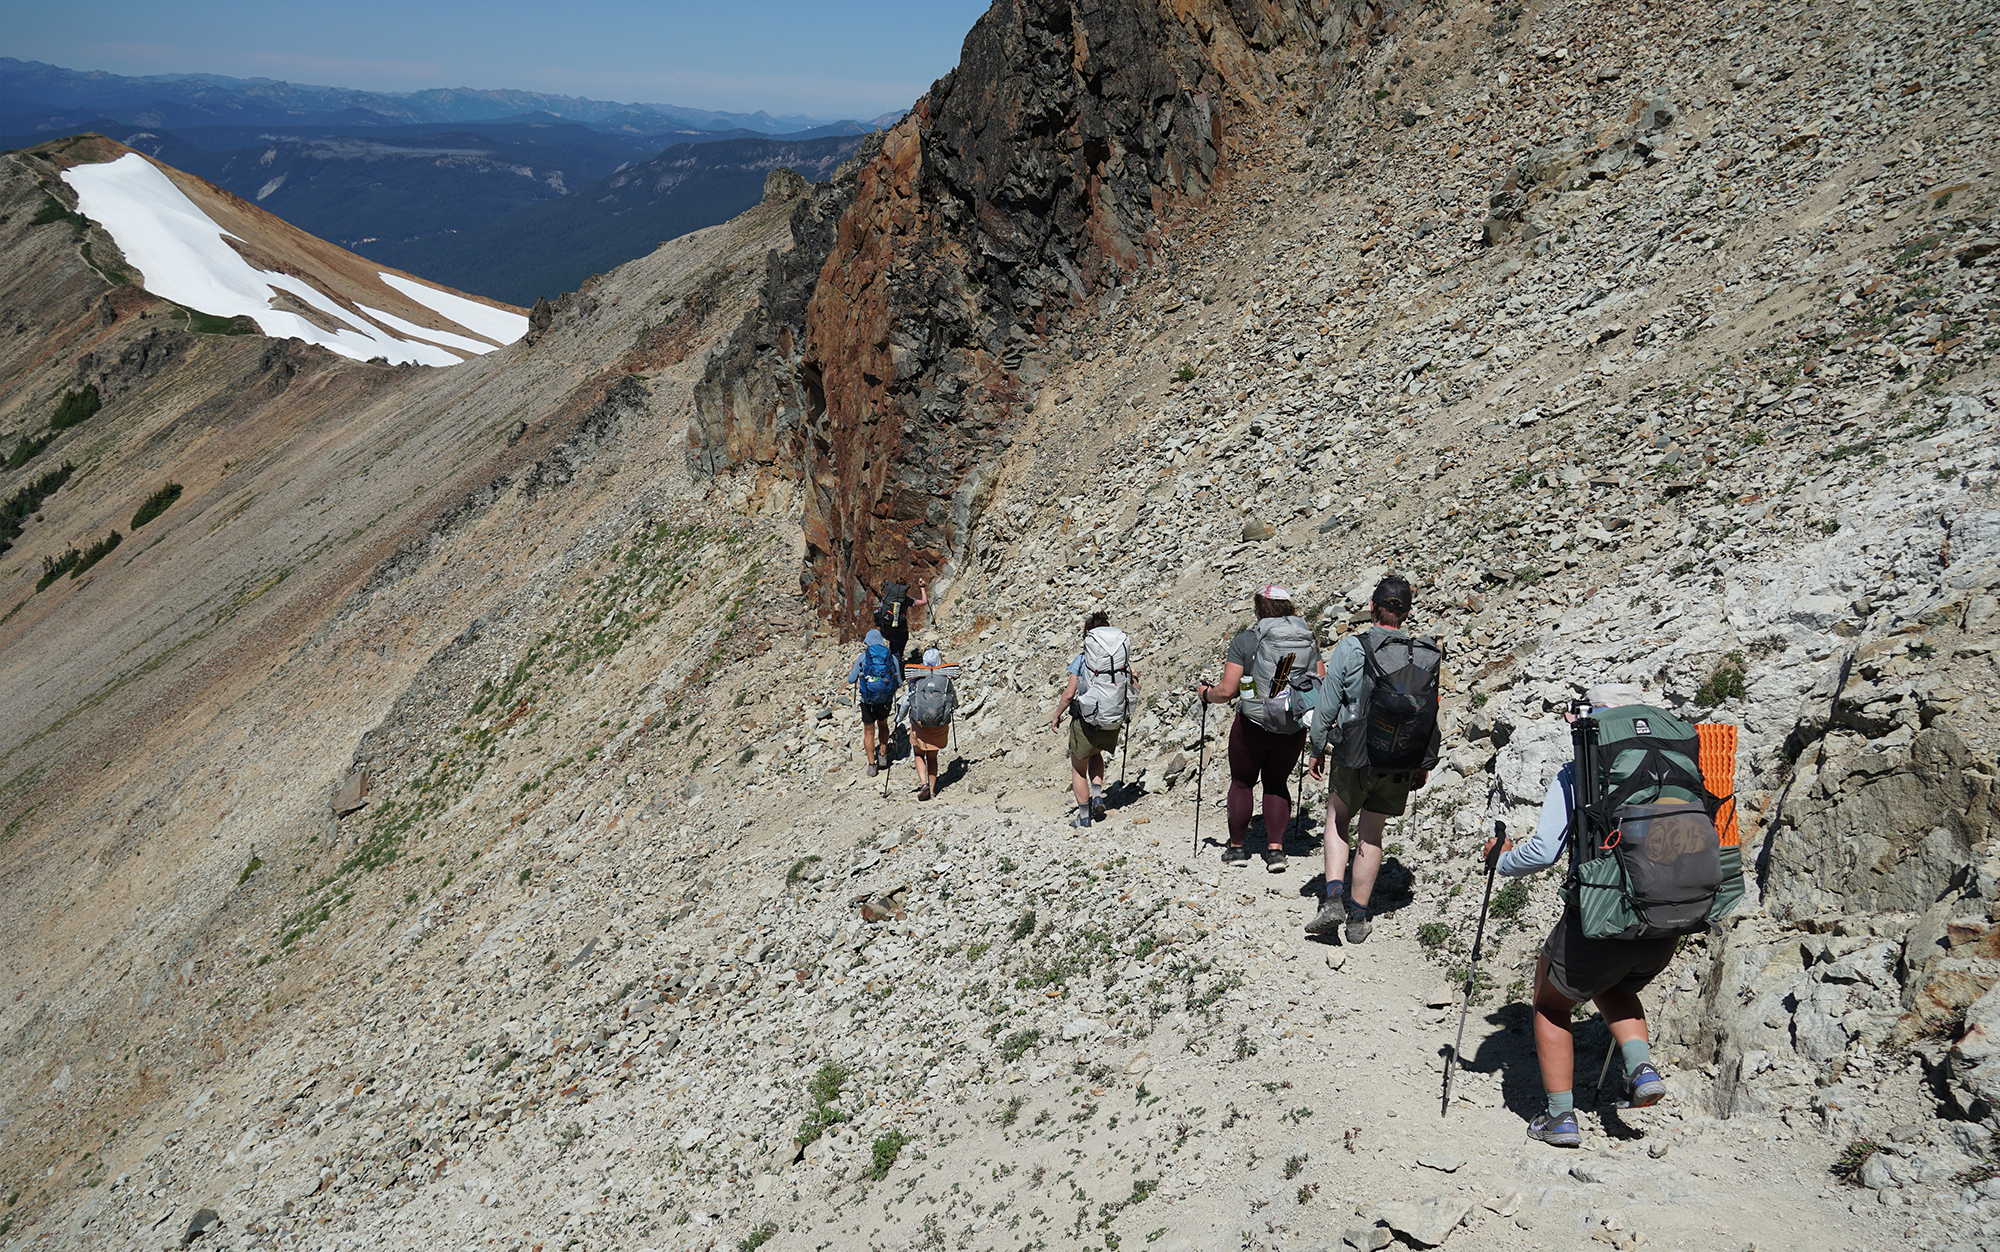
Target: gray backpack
1286,673
933,700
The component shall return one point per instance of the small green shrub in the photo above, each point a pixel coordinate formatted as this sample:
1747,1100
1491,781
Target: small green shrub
23,504
883,1154
256,863
28,449
1511,899
1017,1044
1293,1164
824,1090
1023,926
1007,1116
77,407
1847,1166
1725,683
157,503
758,1237
1433,934
798,869
96,552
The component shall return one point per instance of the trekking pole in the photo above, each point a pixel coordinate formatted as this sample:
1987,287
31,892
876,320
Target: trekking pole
1605,1068
1472,967
1200,763
1298,802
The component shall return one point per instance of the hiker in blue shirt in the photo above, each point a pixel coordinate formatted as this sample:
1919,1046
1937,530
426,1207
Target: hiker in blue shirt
877,676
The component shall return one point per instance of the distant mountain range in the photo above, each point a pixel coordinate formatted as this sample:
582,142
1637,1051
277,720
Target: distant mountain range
34,94
442,181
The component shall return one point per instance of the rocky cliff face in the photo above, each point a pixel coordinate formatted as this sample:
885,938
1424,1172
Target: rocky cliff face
900,342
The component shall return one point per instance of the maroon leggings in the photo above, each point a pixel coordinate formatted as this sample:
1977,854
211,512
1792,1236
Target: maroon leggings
1255,753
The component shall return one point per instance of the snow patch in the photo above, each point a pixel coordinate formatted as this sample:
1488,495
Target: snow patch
481,319
183,256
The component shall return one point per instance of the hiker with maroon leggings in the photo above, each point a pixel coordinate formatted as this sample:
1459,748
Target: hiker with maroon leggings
1265,665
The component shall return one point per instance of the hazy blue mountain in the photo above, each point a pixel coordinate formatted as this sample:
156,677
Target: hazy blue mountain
548,248
178,101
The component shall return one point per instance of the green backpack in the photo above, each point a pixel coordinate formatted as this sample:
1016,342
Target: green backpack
1645,858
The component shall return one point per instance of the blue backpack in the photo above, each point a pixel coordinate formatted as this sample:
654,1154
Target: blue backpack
878,675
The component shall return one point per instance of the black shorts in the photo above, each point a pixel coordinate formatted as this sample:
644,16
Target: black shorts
875,712
1582,968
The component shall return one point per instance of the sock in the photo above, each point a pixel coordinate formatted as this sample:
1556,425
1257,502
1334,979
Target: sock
1335,889
1097,791
1636,1053
1561,1102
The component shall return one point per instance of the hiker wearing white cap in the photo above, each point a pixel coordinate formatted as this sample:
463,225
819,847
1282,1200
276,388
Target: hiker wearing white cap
1380,720
1269,665
1099,697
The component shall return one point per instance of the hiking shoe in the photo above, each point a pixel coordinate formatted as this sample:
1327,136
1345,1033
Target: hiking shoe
1645,1087
1097,808
1329,918
1558,1132
1274,860
1235,855
873,769
1359,925
1082,818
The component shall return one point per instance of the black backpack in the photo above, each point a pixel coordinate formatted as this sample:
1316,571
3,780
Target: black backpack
1402,703
1646,860
889,613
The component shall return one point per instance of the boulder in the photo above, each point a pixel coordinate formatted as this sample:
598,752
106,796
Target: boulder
1424,1222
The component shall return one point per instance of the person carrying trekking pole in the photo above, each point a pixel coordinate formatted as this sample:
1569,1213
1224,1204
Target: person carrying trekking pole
876,676
1382,721
1610,970
1101,693
1275,667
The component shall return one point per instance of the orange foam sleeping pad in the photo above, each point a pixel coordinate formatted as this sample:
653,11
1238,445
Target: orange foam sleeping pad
1718,774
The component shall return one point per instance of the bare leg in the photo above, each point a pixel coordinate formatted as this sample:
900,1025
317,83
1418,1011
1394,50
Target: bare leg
868,741
1079,780
1334,847
1623,1014
1555,1047
1096,772
1367,857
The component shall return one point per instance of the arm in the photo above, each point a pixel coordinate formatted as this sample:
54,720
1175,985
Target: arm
1062,705
1545,848
1226,690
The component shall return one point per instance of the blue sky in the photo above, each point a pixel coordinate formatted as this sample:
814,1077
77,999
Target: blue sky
831,58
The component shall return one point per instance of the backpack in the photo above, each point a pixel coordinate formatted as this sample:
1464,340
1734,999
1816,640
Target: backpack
1401,709
1104,691
889,613
1646,860
933,699
1286,676
878,675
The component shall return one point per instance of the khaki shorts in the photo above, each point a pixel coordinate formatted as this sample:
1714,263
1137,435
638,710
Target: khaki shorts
1086,741
1383,792
1582,968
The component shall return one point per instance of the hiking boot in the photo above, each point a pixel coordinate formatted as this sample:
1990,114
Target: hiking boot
1082,818
1097,808
1558,1132
1329,918
1235,855
1274,860
1359,925
872,769
1645,1087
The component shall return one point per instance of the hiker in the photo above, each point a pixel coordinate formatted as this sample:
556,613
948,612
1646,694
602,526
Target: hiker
892,614
1573,968
877,676
1381,716
1101,693
1276,668
930,701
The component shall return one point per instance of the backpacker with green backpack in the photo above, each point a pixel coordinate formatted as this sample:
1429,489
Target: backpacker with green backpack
1645,858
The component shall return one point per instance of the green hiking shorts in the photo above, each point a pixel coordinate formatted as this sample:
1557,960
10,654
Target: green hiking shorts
1377,791
1086,741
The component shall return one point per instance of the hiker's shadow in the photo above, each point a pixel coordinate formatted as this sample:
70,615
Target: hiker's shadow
1119,794
953,773
1508,1048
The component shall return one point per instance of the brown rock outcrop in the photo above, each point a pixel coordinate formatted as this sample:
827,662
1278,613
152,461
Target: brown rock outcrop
888,361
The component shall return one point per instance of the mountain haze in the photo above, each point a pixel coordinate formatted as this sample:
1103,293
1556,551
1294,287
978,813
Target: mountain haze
442,825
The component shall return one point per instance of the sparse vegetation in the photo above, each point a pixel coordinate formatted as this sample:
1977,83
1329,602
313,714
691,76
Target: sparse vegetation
1847,1166
823,1091
24,503
1433,934
1725,682
157,503
884,1152
76,408
1511,899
